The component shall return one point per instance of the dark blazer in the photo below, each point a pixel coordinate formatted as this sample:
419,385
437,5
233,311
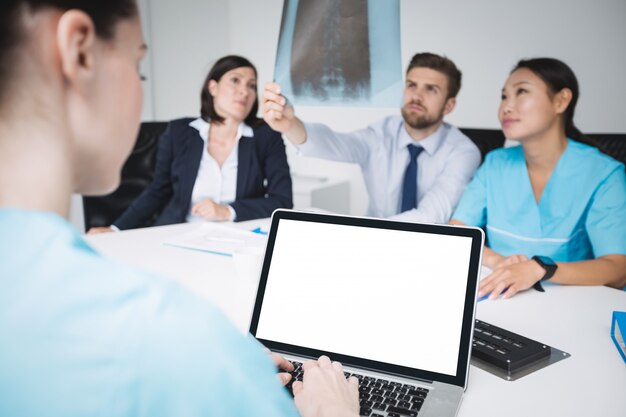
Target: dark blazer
263,179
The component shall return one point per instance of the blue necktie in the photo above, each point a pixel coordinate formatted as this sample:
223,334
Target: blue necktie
409,186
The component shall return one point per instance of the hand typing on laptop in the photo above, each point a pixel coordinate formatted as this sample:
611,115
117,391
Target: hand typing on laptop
283,365
338,270
325,391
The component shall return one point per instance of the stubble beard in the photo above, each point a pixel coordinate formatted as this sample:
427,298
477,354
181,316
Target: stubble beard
421,121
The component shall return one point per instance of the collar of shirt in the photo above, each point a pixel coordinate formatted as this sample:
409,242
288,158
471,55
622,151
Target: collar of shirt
430,143
202,126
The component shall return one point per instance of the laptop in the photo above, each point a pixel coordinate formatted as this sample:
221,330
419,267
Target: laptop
394,302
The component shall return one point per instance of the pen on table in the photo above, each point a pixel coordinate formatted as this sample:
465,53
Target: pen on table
484,297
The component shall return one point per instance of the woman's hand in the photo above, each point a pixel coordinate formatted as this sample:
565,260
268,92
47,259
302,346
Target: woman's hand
513,276
509,260
283,365
492,259
96,230
210,210
325,391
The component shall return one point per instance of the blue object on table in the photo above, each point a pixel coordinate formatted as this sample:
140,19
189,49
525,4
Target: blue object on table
618,329
259,231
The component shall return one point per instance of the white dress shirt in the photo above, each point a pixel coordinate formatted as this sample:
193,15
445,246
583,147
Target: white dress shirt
445,167
218,184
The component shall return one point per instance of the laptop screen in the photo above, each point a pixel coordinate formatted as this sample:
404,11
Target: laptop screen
389,292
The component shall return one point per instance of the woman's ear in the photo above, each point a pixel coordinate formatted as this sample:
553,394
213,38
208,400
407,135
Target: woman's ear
76,40
212,87
562,99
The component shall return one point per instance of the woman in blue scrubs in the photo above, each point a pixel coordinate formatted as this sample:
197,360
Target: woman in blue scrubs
554,207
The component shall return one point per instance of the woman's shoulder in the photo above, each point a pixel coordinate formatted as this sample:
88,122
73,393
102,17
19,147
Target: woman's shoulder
590,161
592,154
180,131
181,124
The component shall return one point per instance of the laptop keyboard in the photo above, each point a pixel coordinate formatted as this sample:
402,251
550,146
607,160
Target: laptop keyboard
380,397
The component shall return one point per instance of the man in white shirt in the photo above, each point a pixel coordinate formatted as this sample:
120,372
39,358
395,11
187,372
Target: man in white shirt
415,166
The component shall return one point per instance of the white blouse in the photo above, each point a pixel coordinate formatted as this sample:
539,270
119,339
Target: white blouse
218,184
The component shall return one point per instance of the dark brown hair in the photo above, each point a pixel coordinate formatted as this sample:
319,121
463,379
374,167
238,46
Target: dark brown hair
105,14
221,67
440,64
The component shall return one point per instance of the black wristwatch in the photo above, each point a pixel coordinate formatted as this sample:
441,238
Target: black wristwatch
548,265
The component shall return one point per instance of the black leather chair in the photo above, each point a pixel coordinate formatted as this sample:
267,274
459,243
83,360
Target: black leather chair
612,144
136,175
139,168
486,139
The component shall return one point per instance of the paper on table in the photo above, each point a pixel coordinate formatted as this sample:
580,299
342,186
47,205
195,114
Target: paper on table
214,238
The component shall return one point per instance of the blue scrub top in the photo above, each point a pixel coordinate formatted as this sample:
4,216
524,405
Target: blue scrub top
84,336
580,215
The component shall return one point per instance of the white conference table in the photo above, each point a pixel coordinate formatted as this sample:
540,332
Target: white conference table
577,320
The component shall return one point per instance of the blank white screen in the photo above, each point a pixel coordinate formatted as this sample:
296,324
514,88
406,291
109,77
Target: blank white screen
385,295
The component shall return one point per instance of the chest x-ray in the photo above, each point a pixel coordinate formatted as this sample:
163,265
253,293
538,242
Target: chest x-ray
340,52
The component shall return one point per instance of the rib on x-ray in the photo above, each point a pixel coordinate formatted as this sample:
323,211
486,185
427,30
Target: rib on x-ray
340,52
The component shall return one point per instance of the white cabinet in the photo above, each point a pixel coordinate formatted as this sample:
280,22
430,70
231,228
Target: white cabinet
321,192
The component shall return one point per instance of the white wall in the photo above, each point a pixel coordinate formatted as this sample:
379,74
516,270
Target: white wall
484,37
186,37
145,67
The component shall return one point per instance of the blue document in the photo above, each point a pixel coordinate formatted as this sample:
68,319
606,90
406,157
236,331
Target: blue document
618,328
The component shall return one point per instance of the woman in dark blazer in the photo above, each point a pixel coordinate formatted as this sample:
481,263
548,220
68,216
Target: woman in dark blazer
225,165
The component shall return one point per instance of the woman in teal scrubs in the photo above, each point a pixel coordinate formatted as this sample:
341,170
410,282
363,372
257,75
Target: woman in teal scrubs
553,208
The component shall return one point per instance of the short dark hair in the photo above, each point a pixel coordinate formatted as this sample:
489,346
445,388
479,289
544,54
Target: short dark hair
221,67
105,14
440,64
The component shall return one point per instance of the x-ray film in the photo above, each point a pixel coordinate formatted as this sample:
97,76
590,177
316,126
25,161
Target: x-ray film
340,53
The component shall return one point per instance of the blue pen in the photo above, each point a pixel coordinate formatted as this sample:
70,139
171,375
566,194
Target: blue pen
259,231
